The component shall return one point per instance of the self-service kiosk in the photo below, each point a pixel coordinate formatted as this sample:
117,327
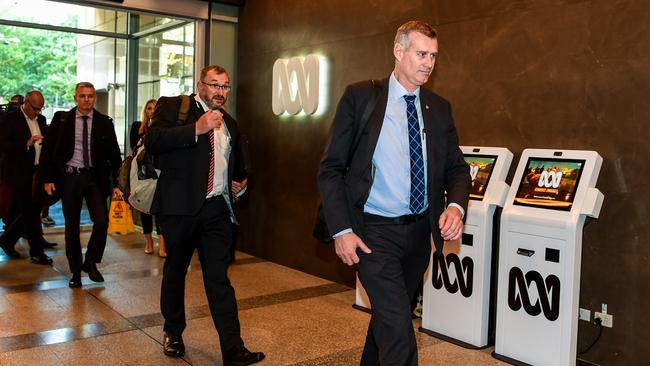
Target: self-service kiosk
456,303
540,254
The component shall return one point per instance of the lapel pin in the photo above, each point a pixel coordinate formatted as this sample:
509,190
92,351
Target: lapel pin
426,106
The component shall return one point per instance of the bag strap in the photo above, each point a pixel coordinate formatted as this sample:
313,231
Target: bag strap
184,108
183,111
370,107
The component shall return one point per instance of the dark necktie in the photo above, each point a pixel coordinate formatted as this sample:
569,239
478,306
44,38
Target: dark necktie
211,170
416,202
84,142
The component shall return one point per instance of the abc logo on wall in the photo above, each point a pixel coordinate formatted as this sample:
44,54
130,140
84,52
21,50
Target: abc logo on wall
296,83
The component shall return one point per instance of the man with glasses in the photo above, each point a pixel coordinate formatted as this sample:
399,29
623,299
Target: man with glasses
200,161
21,135
83,155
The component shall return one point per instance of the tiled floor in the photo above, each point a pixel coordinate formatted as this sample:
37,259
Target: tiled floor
295,318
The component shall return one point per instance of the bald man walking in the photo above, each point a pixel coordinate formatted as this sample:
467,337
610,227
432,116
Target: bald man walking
21,135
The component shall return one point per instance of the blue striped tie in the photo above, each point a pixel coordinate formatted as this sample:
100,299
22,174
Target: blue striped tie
416,202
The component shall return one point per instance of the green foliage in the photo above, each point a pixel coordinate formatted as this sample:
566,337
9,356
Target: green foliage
38,59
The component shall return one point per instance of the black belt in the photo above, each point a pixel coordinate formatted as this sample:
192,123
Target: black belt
76,170
399,220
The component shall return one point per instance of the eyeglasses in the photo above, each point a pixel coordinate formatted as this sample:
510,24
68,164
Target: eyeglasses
215,86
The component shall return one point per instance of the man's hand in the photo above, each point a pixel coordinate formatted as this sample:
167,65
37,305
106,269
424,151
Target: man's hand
451,223
346,248
236,187
117,193
32,140
49,188
208,121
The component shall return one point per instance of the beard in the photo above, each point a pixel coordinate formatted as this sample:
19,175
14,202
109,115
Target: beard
216,102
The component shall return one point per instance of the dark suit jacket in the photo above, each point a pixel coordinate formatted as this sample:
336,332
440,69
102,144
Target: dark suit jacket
104,150
134,134
184,159
344,191
14,133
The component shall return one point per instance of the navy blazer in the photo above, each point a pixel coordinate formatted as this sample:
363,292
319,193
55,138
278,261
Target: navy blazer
344,190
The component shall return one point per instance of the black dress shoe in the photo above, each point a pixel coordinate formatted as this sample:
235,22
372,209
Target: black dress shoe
10,251
41,259
241,356
173,346
93,272
47,244
75,281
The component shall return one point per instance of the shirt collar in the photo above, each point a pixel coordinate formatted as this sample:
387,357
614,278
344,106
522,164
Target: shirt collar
201,102
79,114
397,91
26,116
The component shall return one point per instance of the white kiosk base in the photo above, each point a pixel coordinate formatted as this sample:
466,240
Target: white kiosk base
456,303
540,255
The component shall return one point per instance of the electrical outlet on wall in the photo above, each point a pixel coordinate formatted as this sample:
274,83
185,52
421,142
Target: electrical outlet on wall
584,314
606,319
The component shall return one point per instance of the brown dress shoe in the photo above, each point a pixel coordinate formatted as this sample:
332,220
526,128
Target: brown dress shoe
241,356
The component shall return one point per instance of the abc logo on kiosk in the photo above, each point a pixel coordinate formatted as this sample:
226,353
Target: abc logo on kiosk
463,271
547,289
473,171
296,83
550,179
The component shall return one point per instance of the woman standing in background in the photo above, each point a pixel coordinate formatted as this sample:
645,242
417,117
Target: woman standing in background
138,130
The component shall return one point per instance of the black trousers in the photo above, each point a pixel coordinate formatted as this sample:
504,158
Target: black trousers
147,223
391,275
209,232
24,220
78,186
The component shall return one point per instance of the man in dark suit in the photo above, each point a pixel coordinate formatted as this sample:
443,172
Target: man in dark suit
198,158
85,159
21,133
385,198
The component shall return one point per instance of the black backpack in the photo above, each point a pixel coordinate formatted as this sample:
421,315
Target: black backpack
146,173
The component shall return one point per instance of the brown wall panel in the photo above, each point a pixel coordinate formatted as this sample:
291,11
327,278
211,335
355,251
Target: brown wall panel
519,74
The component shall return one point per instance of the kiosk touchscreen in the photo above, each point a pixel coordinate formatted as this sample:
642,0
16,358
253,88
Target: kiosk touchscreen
540,255
456,293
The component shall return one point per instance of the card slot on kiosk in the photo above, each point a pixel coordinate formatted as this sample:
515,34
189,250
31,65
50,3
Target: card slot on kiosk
552,193
457,285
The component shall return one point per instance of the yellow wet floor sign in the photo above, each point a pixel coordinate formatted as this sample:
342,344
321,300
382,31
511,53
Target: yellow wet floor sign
120,219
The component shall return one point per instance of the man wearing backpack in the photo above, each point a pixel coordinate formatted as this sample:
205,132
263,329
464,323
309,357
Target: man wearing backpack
199,161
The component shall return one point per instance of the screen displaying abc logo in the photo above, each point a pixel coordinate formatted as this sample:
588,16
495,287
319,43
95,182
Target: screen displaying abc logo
473,171
550,179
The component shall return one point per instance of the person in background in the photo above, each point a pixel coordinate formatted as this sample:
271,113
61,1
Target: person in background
21,133
138,130
83,165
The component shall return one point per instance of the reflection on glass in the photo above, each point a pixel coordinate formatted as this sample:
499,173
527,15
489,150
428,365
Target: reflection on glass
62,14
166,65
